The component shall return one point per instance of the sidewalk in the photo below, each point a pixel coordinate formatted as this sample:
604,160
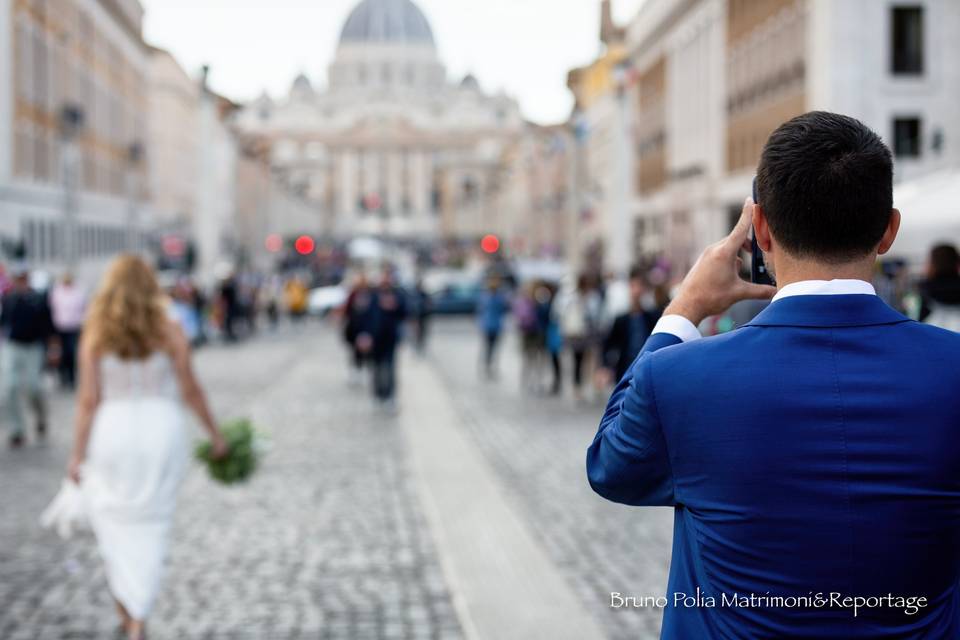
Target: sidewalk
506,586
536,446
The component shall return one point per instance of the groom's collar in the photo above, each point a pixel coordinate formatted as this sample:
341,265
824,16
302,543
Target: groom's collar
833,303
835,287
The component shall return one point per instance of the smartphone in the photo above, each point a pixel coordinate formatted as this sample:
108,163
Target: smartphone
758,269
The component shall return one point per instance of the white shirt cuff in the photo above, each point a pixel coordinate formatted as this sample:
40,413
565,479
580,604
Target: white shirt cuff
679,326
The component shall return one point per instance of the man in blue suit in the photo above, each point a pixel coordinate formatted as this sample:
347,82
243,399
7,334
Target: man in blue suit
812,456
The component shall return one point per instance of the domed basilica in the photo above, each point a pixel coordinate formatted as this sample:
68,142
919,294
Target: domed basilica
390,146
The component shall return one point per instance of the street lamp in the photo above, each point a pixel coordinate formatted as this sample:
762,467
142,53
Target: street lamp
620,238
134,158
71,122
579,131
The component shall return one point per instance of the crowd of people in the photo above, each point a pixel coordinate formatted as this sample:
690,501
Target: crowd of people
41,324
373,319
578,327
566,336
582,332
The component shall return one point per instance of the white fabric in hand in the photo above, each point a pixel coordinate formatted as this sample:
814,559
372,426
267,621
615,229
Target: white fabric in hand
67,513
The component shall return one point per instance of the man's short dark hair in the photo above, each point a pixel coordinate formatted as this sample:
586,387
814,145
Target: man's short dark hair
825,183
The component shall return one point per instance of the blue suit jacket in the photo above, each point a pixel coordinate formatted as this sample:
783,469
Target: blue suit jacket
814,450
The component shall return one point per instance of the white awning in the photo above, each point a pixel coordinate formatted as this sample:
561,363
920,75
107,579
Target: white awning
930,207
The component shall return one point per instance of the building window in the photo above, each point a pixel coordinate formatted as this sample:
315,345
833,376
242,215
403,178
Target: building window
907,40
906,137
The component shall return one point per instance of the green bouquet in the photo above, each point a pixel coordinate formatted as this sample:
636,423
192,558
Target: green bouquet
241,460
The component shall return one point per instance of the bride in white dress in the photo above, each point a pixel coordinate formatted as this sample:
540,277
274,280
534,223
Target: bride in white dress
131,446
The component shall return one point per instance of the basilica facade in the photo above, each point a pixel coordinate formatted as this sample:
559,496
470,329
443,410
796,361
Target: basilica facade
390,147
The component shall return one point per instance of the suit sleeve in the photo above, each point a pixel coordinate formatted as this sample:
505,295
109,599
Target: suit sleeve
628,460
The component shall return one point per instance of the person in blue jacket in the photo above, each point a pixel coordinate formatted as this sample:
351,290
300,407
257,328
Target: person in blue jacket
812,456
492,305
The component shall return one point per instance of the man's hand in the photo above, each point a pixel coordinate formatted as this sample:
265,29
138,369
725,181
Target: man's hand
714,282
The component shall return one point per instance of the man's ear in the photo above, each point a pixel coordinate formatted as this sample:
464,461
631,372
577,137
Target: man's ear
761,229
893,227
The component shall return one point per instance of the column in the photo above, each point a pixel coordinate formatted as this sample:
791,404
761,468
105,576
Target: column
347,204
7,90
618,235
419,186
394,182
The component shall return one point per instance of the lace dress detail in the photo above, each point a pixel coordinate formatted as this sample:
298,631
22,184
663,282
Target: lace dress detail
151,377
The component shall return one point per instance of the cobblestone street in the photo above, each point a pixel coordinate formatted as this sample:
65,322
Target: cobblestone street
327,541
331,538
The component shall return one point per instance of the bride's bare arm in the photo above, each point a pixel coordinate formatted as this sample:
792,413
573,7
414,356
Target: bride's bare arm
88,398
193,394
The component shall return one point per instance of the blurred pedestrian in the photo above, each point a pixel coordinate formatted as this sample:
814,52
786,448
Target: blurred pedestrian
554,342
296,297
131,446
551,342
629,331
421,312
580,322
248,290
492,304
185,313
68,303
531,337
230,307
357,332
940,292
199,302
28,326
389,311
272,295
5,282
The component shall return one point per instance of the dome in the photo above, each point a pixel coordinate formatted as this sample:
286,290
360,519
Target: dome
387,21
302,84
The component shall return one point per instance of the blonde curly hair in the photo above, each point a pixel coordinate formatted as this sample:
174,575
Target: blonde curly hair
128,315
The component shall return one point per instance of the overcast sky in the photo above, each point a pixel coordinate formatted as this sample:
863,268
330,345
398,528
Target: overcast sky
523,47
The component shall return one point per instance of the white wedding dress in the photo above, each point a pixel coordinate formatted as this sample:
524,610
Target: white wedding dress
136,458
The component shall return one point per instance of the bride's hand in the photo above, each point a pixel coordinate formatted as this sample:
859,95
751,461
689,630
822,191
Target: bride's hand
73,468
220,447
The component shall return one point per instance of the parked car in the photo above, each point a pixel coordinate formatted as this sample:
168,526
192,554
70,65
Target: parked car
456,298
323,300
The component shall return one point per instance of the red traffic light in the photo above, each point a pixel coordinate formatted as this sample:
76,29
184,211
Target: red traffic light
274,243
304,245
372,202
490,243
174,246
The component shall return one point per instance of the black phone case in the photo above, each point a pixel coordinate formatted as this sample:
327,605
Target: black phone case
758,269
